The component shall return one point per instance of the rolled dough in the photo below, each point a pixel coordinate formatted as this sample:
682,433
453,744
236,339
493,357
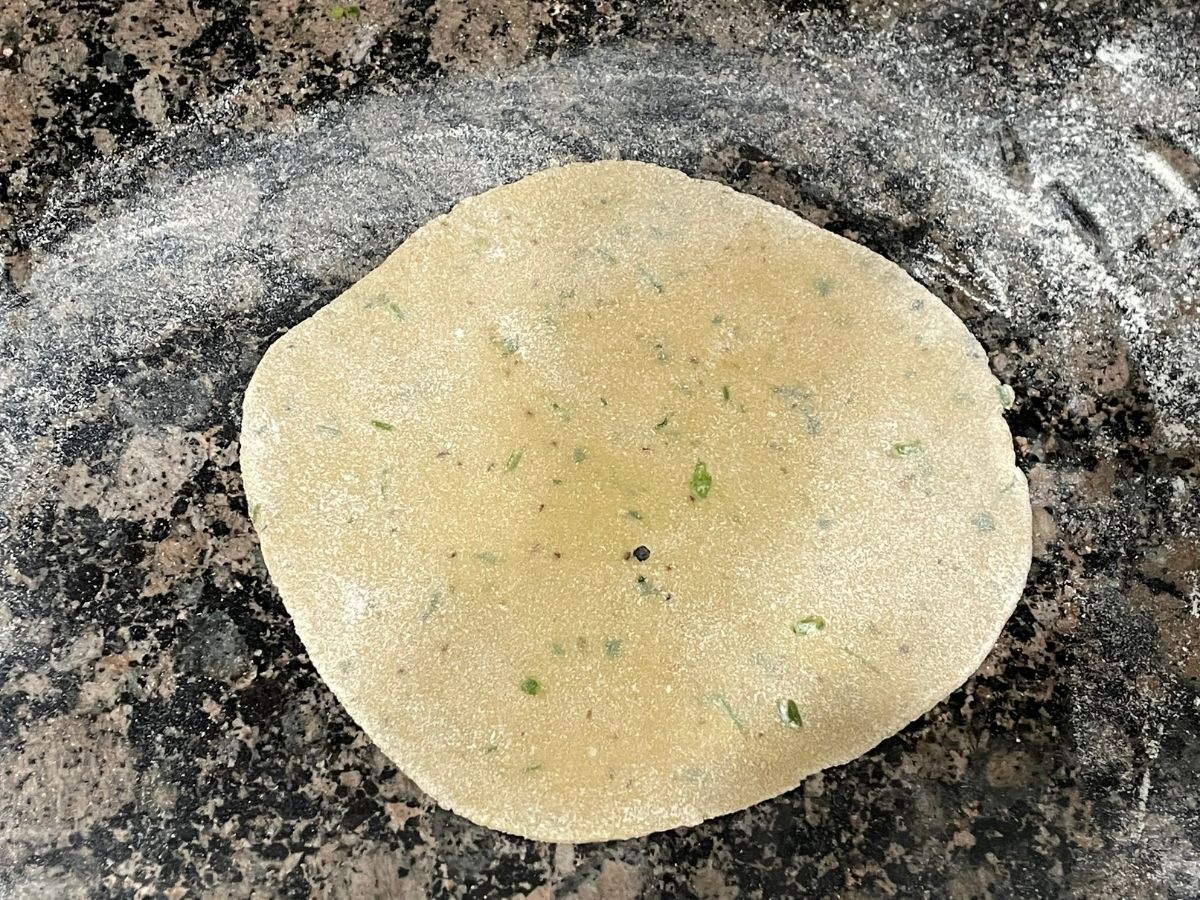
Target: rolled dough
615,500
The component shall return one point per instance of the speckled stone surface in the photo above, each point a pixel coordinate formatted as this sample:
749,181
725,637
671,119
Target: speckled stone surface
162,732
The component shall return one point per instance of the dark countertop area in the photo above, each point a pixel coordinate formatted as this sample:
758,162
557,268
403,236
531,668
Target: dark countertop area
181,181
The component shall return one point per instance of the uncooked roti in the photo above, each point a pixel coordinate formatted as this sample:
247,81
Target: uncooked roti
615,500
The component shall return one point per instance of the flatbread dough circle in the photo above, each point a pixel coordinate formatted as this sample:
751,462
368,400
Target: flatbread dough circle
451,465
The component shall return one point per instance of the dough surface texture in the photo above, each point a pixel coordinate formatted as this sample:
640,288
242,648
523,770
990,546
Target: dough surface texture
615,500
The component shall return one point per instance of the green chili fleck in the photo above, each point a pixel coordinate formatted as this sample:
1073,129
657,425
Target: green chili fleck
531,686
726,394
906,448
789,714
579,454
514,460
338,11
253,511
612,648
1007,395
808,626
701,482
382,425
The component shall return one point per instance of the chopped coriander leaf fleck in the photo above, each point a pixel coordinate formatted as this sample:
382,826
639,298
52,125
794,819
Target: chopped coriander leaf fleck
558,649
514,460
329,429
1007,395
723,705
579,454
701,482
824,286
490,748
397,310
612,648
382,425
531,686
717,320
858,657
645,586
906,448
556,481
338,11
536,767
508,344
808,626
633,514
560,413
666,420
802,402
649,278
726,394
789,714
984,522
581,643
824,522
488,558
253,511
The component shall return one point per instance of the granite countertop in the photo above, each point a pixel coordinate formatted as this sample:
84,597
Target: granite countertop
182,181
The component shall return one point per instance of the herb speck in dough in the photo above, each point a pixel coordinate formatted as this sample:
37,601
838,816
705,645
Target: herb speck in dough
808,626
789,714
701,482
531,686
382,425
